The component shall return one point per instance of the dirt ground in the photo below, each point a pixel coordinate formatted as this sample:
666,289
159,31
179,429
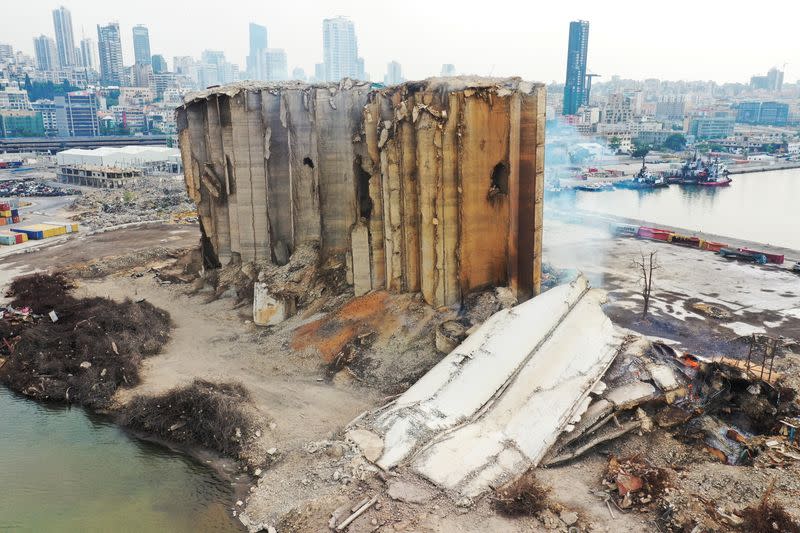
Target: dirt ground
306,403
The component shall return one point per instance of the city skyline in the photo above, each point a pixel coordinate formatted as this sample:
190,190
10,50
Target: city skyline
484,45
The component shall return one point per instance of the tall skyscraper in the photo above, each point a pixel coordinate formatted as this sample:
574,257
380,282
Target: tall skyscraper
159,64
394,73
141,44
775,79
88,53
299,73
46,54
575,86
6,52
258,43
110,49
65,43
339,49
275,65
448,69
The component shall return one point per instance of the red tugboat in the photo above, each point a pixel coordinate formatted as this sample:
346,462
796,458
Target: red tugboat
717,175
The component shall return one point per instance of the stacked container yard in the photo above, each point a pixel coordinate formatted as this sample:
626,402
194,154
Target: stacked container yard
8,238
9,212
45,231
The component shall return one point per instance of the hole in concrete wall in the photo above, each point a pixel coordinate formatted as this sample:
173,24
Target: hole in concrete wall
224,107
308,162
362,186
499,184
231,177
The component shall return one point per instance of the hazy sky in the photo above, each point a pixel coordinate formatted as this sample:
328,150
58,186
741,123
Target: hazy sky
676,39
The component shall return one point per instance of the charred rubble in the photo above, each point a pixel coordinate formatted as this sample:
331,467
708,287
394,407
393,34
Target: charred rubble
56,347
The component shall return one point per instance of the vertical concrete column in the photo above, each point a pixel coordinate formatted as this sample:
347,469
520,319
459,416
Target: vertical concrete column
279,185
216,166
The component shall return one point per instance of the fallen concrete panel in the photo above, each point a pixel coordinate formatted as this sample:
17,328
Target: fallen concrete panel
496,403
631,394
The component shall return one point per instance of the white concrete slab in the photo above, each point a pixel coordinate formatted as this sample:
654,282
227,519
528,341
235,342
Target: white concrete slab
496,404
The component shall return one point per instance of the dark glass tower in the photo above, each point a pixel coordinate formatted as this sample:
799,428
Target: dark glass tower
575,87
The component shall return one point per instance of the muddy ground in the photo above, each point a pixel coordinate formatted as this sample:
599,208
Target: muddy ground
754,298
312,471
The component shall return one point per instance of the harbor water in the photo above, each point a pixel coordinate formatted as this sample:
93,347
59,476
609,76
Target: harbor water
759,207
63,470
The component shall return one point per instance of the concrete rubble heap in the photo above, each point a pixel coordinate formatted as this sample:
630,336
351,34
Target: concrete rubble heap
495,405
432,186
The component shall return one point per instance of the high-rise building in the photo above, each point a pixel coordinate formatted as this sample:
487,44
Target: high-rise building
575,86
142,75
141,44
298,74
319,72
65,43
110,49
213,57
88,53
340,49
47,108
258,43
76,114
6,53
671,108
775,79
448,69
212,68
275,65
46,53
394,73
159,64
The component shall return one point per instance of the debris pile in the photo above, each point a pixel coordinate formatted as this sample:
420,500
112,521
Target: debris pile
634,482
768,517
154,198
523,496
202,413
77,350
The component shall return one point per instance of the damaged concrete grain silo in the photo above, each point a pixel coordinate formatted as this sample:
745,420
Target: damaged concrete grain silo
432,186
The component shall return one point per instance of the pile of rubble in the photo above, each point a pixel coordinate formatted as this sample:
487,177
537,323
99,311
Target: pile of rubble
153,198
505,396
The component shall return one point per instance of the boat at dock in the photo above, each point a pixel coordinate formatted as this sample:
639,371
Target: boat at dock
717,175
695,171
644,179
595,186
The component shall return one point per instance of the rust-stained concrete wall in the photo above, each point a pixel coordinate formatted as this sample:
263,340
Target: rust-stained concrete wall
432,186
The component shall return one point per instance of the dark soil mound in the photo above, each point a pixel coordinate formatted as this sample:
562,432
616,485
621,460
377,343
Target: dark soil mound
202,413
40,292
93,348
522,497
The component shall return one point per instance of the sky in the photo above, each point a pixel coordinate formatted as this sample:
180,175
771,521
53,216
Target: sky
675,40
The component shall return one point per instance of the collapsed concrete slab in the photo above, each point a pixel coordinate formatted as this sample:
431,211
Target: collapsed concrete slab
432,186
494,405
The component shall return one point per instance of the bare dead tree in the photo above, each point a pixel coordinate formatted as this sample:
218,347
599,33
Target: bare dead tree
646,265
